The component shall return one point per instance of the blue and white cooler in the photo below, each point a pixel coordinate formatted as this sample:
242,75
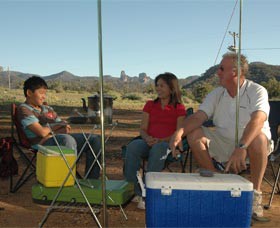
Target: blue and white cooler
191,200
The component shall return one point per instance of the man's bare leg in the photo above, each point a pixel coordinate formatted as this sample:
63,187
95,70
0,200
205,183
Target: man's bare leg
258,153
198,144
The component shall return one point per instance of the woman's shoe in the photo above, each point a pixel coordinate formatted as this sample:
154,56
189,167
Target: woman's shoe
141,204
136,199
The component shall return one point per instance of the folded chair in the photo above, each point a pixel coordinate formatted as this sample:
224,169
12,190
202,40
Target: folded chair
22,145
274,123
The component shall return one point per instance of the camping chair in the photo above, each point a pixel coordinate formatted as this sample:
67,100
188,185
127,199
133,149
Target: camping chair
183,160
185,155
274,123
22,145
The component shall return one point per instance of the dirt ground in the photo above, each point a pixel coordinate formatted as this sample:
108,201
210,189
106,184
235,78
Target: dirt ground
18,209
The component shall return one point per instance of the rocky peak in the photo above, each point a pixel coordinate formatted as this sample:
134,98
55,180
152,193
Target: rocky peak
123,76
143,78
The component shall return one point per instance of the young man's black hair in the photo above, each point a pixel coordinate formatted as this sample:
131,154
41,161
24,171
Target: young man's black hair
34,83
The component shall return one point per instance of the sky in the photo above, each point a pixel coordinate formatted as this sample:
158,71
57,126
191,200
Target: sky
184,37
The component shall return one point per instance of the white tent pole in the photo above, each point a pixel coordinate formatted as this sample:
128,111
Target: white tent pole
105,220
238,77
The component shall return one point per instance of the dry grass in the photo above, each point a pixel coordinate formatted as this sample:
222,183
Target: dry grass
73,99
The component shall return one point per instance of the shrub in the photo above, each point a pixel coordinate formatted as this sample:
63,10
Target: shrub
132,96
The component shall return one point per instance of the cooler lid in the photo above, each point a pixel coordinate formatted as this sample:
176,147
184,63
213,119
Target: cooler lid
54,150
193,181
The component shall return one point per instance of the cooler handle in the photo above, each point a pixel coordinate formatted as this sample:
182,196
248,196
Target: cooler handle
166,191
235,192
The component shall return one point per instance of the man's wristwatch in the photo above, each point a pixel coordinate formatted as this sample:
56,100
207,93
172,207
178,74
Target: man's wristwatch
242,146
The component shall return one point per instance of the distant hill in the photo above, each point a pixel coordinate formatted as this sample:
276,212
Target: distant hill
64,75
258,72
67,80
261,72
188,80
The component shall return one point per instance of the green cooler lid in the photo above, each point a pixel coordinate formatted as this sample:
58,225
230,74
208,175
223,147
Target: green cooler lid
54,150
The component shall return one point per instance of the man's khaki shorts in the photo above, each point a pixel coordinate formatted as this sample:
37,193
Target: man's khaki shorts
221,148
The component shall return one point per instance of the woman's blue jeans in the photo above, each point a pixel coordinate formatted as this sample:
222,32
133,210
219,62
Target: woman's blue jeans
76,141
137,150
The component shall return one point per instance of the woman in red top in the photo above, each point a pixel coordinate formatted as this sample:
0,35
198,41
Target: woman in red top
160,119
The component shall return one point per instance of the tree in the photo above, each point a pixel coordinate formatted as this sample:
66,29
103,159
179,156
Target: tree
201,90
187,93
150,88
57,86
273,87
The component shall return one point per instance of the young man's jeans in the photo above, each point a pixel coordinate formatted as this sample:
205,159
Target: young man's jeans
76,141
135,152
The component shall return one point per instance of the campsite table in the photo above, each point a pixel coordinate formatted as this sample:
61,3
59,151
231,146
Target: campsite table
93,128
122,189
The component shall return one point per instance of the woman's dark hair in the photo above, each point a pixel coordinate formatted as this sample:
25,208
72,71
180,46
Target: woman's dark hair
172,81
34,83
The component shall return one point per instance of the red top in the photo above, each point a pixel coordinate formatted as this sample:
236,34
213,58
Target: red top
163,122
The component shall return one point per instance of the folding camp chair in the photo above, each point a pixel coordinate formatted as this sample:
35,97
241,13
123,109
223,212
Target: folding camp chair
24,149
185,155
183,160
274,123
274,156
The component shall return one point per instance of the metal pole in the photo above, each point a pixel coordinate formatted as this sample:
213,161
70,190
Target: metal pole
238,77
105,220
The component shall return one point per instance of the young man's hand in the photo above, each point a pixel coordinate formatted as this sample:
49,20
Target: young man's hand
61,128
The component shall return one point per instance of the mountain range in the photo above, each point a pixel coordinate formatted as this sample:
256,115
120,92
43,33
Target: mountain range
258,72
